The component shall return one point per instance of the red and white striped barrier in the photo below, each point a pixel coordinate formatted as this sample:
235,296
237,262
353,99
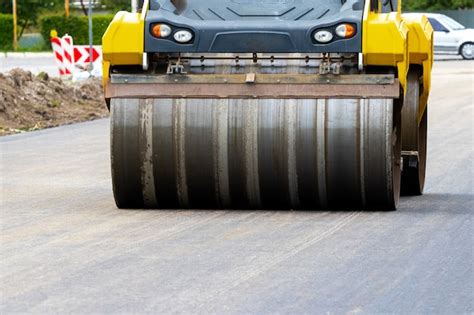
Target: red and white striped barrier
83,55
68,57
58,51
73,59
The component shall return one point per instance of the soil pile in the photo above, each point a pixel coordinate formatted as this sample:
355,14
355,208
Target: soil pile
29,102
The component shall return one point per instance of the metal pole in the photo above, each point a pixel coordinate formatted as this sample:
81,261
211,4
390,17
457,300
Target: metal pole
134,6
15,22
91,37
66,7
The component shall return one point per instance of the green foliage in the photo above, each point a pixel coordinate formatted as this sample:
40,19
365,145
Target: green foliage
117,5
76,26
28,10
6,29
434,5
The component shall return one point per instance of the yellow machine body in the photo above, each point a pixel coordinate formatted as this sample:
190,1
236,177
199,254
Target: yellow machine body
389,39
123,42
420,49
248,154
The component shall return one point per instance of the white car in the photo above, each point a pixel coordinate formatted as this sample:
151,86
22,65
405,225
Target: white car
450,37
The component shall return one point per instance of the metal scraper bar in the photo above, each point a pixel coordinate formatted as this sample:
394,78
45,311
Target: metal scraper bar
257,91
358,79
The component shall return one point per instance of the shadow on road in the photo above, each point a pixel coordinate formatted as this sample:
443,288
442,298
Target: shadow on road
428,203
438,203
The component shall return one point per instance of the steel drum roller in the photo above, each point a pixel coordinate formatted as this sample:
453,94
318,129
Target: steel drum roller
251,154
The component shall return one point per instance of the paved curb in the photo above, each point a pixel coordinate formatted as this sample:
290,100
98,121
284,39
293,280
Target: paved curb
26,54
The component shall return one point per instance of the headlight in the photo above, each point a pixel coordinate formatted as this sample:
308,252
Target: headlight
345,30
323,36
183,36
161,30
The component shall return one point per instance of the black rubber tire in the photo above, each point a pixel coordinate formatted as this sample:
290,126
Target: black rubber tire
414,138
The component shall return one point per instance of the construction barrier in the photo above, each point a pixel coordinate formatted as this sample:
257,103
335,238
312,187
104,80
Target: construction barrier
68,57
74,60
83,56
58,51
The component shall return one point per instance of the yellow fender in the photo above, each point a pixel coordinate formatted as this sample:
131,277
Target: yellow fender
420,48
385,41
392,40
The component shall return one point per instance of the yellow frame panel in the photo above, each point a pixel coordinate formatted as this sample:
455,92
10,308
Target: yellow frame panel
385,41
420,48
123,41
392,40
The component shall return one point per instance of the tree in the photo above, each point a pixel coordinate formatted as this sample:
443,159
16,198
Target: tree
434,5
83,8
117,5
28,10
464,4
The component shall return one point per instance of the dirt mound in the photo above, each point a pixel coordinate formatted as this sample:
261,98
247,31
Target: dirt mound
29,102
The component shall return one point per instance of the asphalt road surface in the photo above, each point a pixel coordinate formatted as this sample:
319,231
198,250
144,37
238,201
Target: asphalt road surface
65,248
34,62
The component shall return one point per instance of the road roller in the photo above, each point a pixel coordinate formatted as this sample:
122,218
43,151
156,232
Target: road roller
267,104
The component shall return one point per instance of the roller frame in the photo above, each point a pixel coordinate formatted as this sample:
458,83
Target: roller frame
135,105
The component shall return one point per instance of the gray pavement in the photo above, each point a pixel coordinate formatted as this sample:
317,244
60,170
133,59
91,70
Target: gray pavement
65,248
34,62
